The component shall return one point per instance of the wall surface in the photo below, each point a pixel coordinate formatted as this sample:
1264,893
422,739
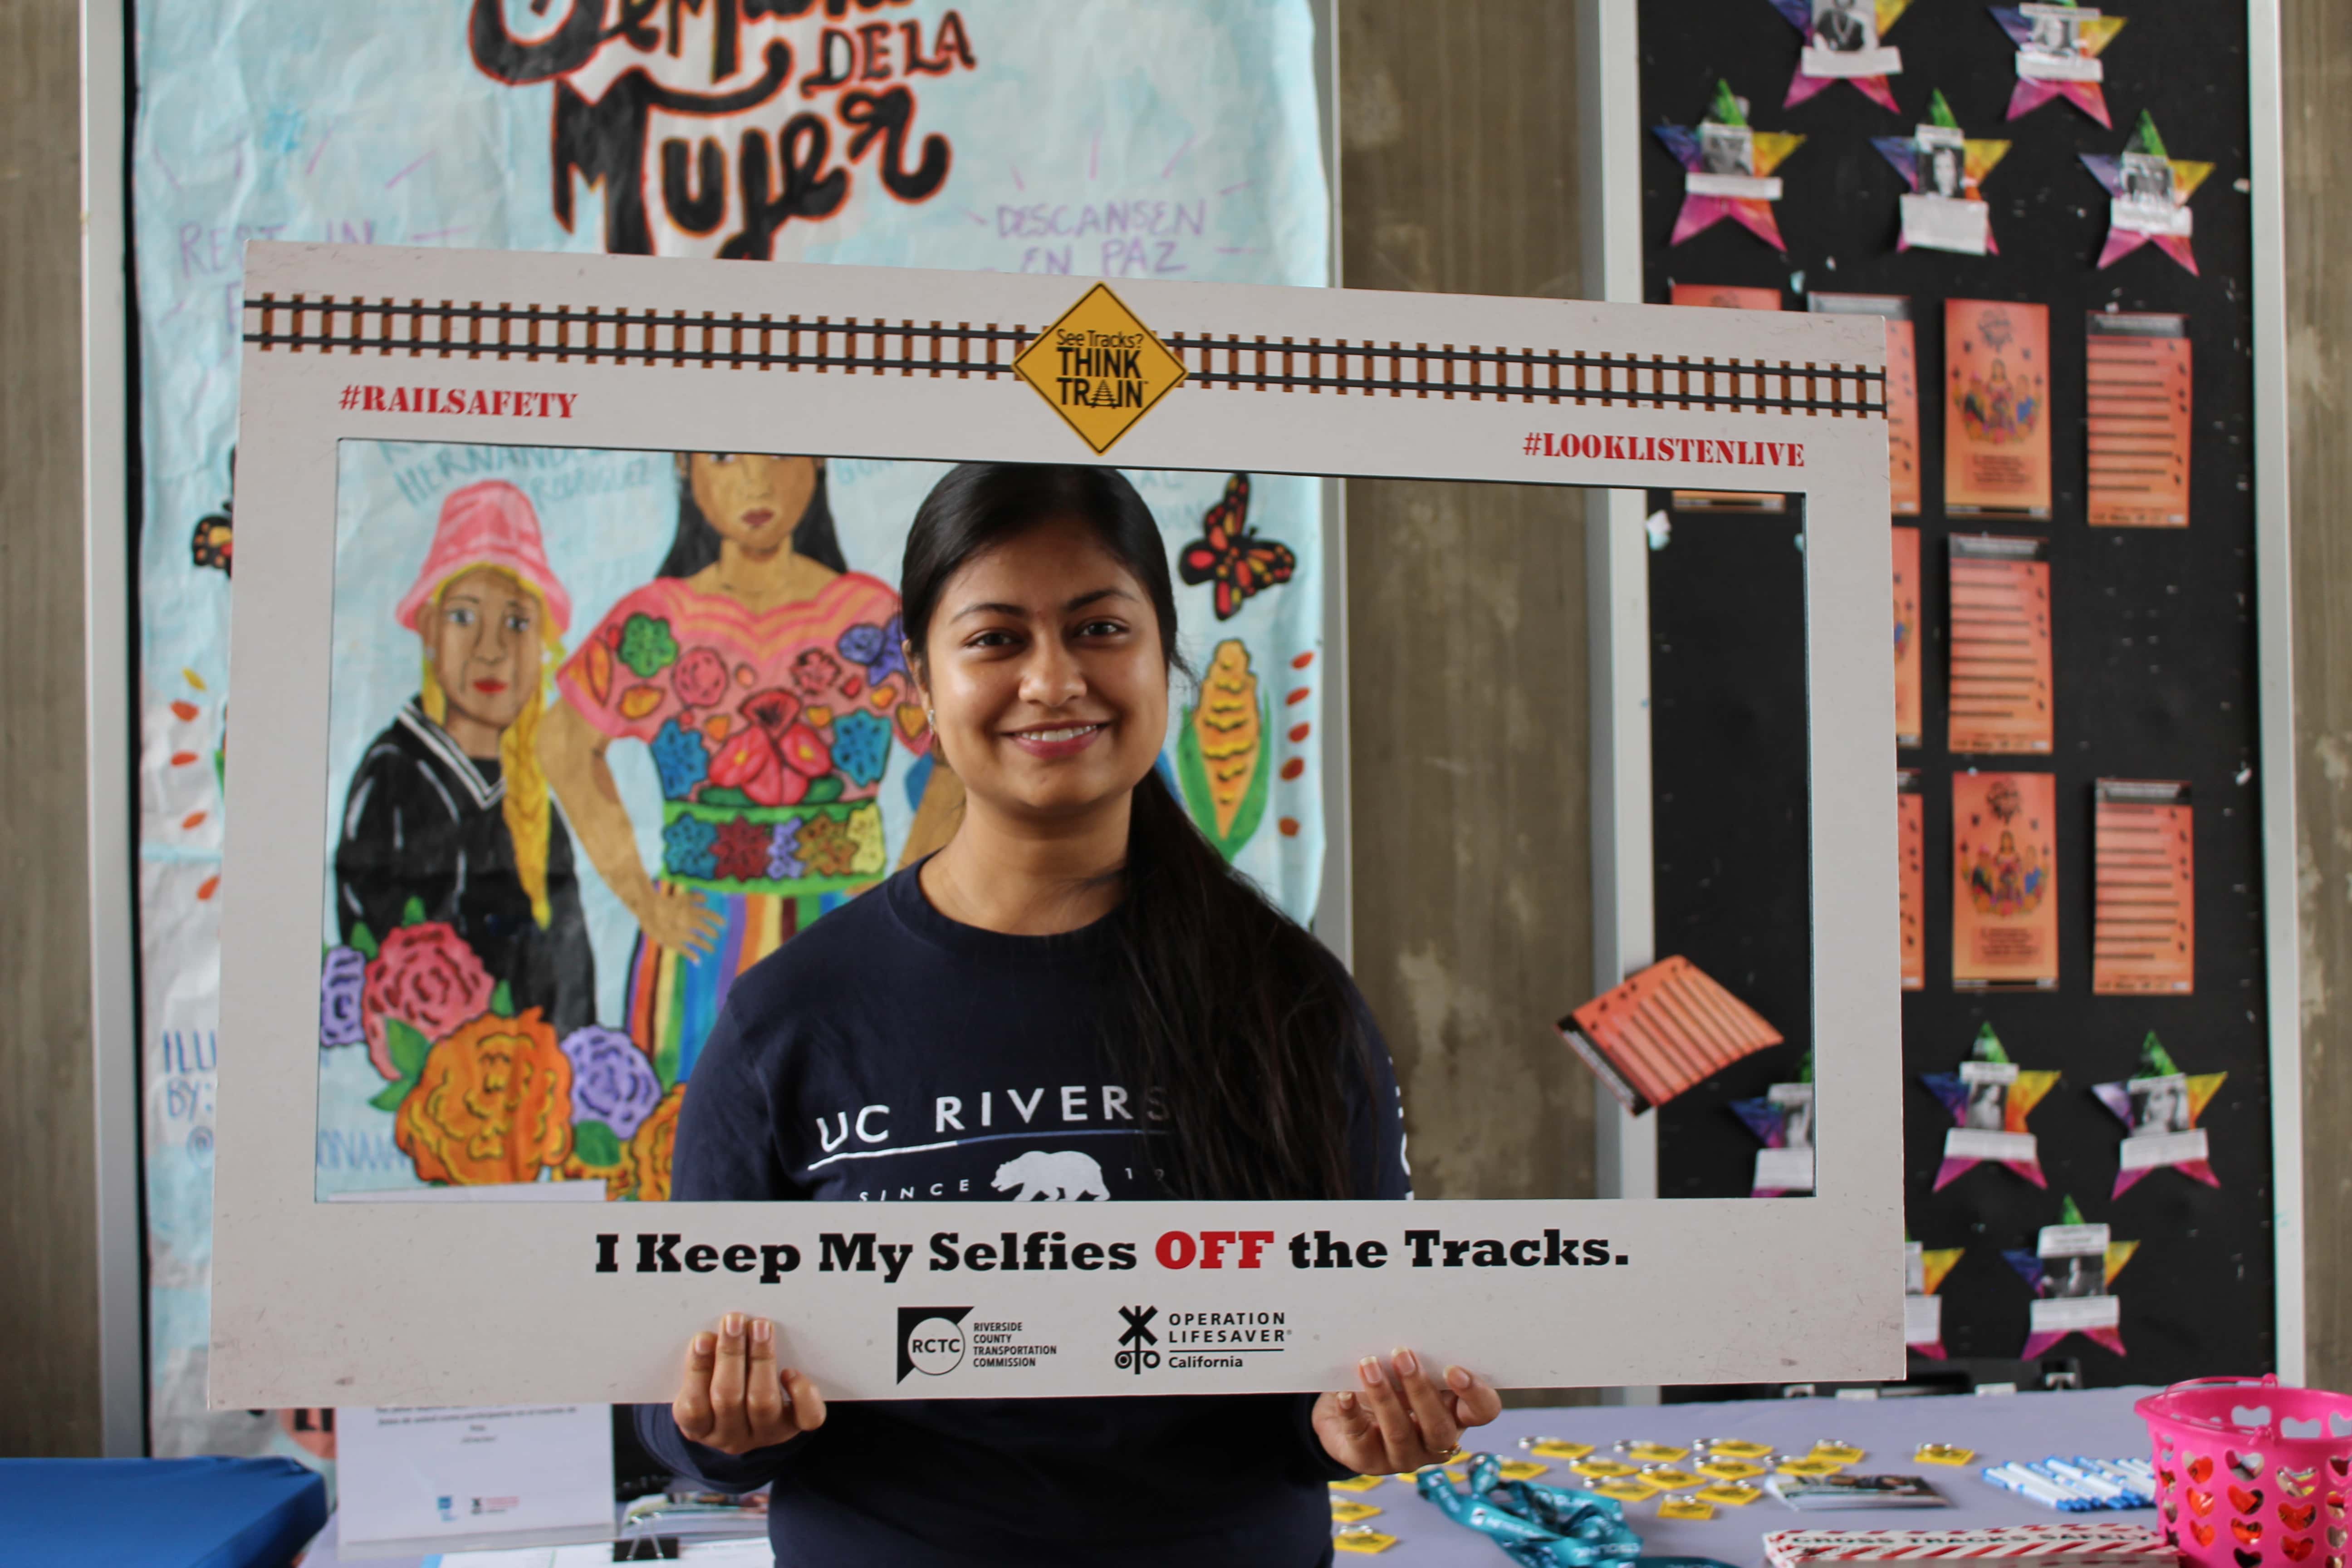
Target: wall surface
2318,47
1465,620
49,1292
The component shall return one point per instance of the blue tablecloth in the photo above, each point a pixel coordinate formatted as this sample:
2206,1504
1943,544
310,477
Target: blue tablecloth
158,1513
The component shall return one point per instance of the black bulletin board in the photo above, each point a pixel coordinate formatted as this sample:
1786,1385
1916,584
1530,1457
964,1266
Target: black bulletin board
2154,662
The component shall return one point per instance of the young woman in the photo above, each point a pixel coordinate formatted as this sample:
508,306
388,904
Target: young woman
1075,997
447,812
767,679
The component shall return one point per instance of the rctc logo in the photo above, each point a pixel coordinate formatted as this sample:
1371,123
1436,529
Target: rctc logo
931,1340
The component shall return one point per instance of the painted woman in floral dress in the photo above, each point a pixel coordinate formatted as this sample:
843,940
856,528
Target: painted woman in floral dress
767,679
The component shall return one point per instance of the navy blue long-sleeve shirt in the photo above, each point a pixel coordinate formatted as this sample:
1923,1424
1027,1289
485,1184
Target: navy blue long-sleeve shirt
888,1053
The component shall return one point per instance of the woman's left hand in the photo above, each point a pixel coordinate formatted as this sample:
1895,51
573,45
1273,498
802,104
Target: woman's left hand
1397,1419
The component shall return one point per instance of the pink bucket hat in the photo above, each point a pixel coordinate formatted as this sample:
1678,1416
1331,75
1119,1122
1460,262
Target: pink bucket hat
487,524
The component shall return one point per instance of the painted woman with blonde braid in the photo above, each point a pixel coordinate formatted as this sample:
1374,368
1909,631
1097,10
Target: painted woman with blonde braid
449,817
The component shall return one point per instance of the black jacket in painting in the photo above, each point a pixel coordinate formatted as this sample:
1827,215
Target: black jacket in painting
888,1054
424,821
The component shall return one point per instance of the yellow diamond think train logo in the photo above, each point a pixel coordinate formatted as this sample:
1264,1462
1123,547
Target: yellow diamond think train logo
1099,368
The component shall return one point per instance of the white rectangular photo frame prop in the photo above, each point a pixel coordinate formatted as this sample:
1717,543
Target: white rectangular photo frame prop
481,1302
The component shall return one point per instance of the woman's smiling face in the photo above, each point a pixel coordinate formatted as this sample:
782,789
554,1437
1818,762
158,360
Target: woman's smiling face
752,500
1043,670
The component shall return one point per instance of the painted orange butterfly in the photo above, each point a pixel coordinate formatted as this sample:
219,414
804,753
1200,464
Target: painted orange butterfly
1228,555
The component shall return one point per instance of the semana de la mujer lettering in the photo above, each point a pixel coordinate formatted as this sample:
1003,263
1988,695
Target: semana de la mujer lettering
741,141
1051,1251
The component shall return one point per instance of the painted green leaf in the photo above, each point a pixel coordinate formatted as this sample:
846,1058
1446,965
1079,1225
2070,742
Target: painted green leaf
413,912
364,941
502,999
409,1047
1251,810
1192,776
392,1094
596,1144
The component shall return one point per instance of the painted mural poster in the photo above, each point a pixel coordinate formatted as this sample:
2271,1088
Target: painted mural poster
2004,882
1149,138
1908,696
1727,297
1902,388
2144,888
2000,670
2140,431
1911,870
597,745
1996,408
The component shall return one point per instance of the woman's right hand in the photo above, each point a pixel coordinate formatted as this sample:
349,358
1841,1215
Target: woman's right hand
734,1397
676,918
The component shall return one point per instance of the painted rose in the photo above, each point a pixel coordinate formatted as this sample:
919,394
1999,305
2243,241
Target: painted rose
341,979
649,1150
426,976
492,1105
612,1080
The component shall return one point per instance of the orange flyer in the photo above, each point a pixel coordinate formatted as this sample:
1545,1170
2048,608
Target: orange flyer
1902,389
2144,924
1999,659
1908,723
1911,867
2004,882
1725,297
1996,408
2138,408
1663,1030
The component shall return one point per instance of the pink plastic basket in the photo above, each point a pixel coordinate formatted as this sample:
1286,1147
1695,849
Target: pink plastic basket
2251,1474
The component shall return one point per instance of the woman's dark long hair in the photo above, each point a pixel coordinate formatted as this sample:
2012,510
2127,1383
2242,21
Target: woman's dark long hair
695,544
1239,1024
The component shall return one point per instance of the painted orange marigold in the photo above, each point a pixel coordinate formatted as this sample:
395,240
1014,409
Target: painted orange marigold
616,1178
649,1150
492,1105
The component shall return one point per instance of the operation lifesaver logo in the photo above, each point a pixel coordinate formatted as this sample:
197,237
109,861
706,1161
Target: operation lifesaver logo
1099,368
1186,1340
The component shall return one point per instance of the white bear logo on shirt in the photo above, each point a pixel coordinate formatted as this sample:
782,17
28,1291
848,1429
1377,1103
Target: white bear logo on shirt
1065,1176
